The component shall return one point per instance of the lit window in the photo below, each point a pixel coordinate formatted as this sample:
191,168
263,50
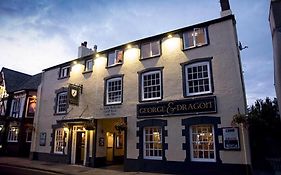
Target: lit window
194,38
115,57
59,141
28,135
88,65
114,91
198,78
150,49
153,148
202,143
151,85
61,103
64,72
13,134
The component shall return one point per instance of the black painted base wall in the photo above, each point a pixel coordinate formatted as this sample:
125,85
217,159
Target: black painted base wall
187,168
49,157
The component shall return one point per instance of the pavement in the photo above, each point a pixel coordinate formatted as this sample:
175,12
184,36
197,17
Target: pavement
66,169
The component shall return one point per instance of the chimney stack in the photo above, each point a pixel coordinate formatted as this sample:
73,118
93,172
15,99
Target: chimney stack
83,50
225,8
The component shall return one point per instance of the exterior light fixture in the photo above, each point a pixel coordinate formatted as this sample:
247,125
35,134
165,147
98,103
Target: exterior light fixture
1,127
170,36
75,62
97,55
129,46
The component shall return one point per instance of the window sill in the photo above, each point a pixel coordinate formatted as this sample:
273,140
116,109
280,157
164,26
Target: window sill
88,71
198,95
146,58
152,100
114,65
114,104
190,48
60,113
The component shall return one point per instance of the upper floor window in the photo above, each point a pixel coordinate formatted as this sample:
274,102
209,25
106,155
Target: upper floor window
114,90
198,78
15,109
115,57
150,49
194,38
151,85
59,141
153,148
61,107
89,65
13,134
202,143
64,72
31,102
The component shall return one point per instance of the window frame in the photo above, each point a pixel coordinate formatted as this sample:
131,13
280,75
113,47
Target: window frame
150,71
62,73
150,49
153,142
194,63
195,44
59,141
87,68
16,107
107,81
28,132
58,102
191,145
115,59
13,134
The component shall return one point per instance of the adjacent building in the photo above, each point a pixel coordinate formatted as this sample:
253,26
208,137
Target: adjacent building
18,95
275,26
164,103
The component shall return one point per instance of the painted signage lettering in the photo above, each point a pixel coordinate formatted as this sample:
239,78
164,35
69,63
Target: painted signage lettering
179,107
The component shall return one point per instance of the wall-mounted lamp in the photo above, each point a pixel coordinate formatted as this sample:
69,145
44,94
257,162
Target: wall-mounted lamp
1,127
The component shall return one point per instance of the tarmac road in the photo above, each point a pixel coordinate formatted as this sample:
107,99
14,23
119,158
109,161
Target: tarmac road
11,170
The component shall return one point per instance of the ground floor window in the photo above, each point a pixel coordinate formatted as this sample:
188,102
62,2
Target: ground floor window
13,134
28,135
202,143
152,143
59,141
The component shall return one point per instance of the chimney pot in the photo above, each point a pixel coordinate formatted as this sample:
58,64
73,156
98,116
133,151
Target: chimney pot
225,8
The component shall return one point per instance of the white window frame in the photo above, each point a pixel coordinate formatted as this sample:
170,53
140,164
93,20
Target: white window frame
59,141
198,137
15,108
150,49
114,91
152,142
116,60
187,85
142,85
64,72
13,134
194,38
59,102
89,65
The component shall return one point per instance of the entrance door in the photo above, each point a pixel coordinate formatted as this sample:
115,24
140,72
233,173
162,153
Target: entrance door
109,147
80,148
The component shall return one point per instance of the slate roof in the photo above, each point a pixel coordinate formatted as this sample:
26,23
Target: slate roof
15,81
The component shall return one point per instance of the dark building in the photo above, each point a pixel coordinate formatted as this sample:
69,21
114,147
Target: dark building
18,95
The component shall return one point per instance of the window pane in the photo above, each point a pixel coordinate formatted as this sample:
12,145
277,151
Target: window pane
151,85
114,91
200,36
111,59
188,39
145,50
155,48
153,142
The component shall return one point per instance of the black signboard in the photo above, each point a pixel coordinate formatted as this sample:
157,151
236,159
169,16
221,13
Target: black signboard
73,94
178,107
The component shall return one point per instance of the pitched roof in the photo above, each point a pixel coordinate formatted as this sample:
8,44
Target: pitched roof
15,81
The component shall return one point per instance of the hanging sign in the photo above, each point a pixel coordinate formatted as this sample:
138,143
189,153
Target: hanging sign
73,94
231,138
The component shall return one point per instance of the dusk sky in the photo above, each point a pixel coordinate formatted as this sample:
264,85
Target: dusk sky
37,34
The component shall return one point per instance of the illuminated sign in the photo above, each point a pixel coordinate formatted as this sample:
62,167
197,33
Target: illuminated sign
178,107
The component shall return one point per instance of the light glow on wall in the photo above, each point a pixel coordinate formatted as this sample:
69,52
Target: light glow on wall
171,43
132,53
76,68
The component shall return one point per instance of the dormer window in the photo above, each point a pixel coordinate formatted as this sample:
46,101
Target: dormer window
64,72
195,38
115,58
150,49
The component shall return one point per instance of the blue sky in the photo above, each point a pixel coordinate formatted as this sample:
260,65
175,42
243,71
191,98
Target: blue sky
37,34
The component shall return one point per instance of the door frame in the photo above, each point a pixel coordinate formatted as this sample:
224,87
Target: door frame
78,128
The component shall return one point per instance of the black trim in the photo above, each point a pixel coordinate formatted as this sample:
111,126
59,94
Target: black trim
140,73
188,122
154,56
105,88
190,48
56,158
184,79
150,123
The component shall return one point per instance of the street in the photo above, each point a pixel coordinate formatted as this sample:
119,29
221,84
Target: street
10,170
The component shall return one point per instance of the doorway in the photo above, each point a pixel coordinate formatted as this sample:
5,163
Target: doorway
109,147
80,148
